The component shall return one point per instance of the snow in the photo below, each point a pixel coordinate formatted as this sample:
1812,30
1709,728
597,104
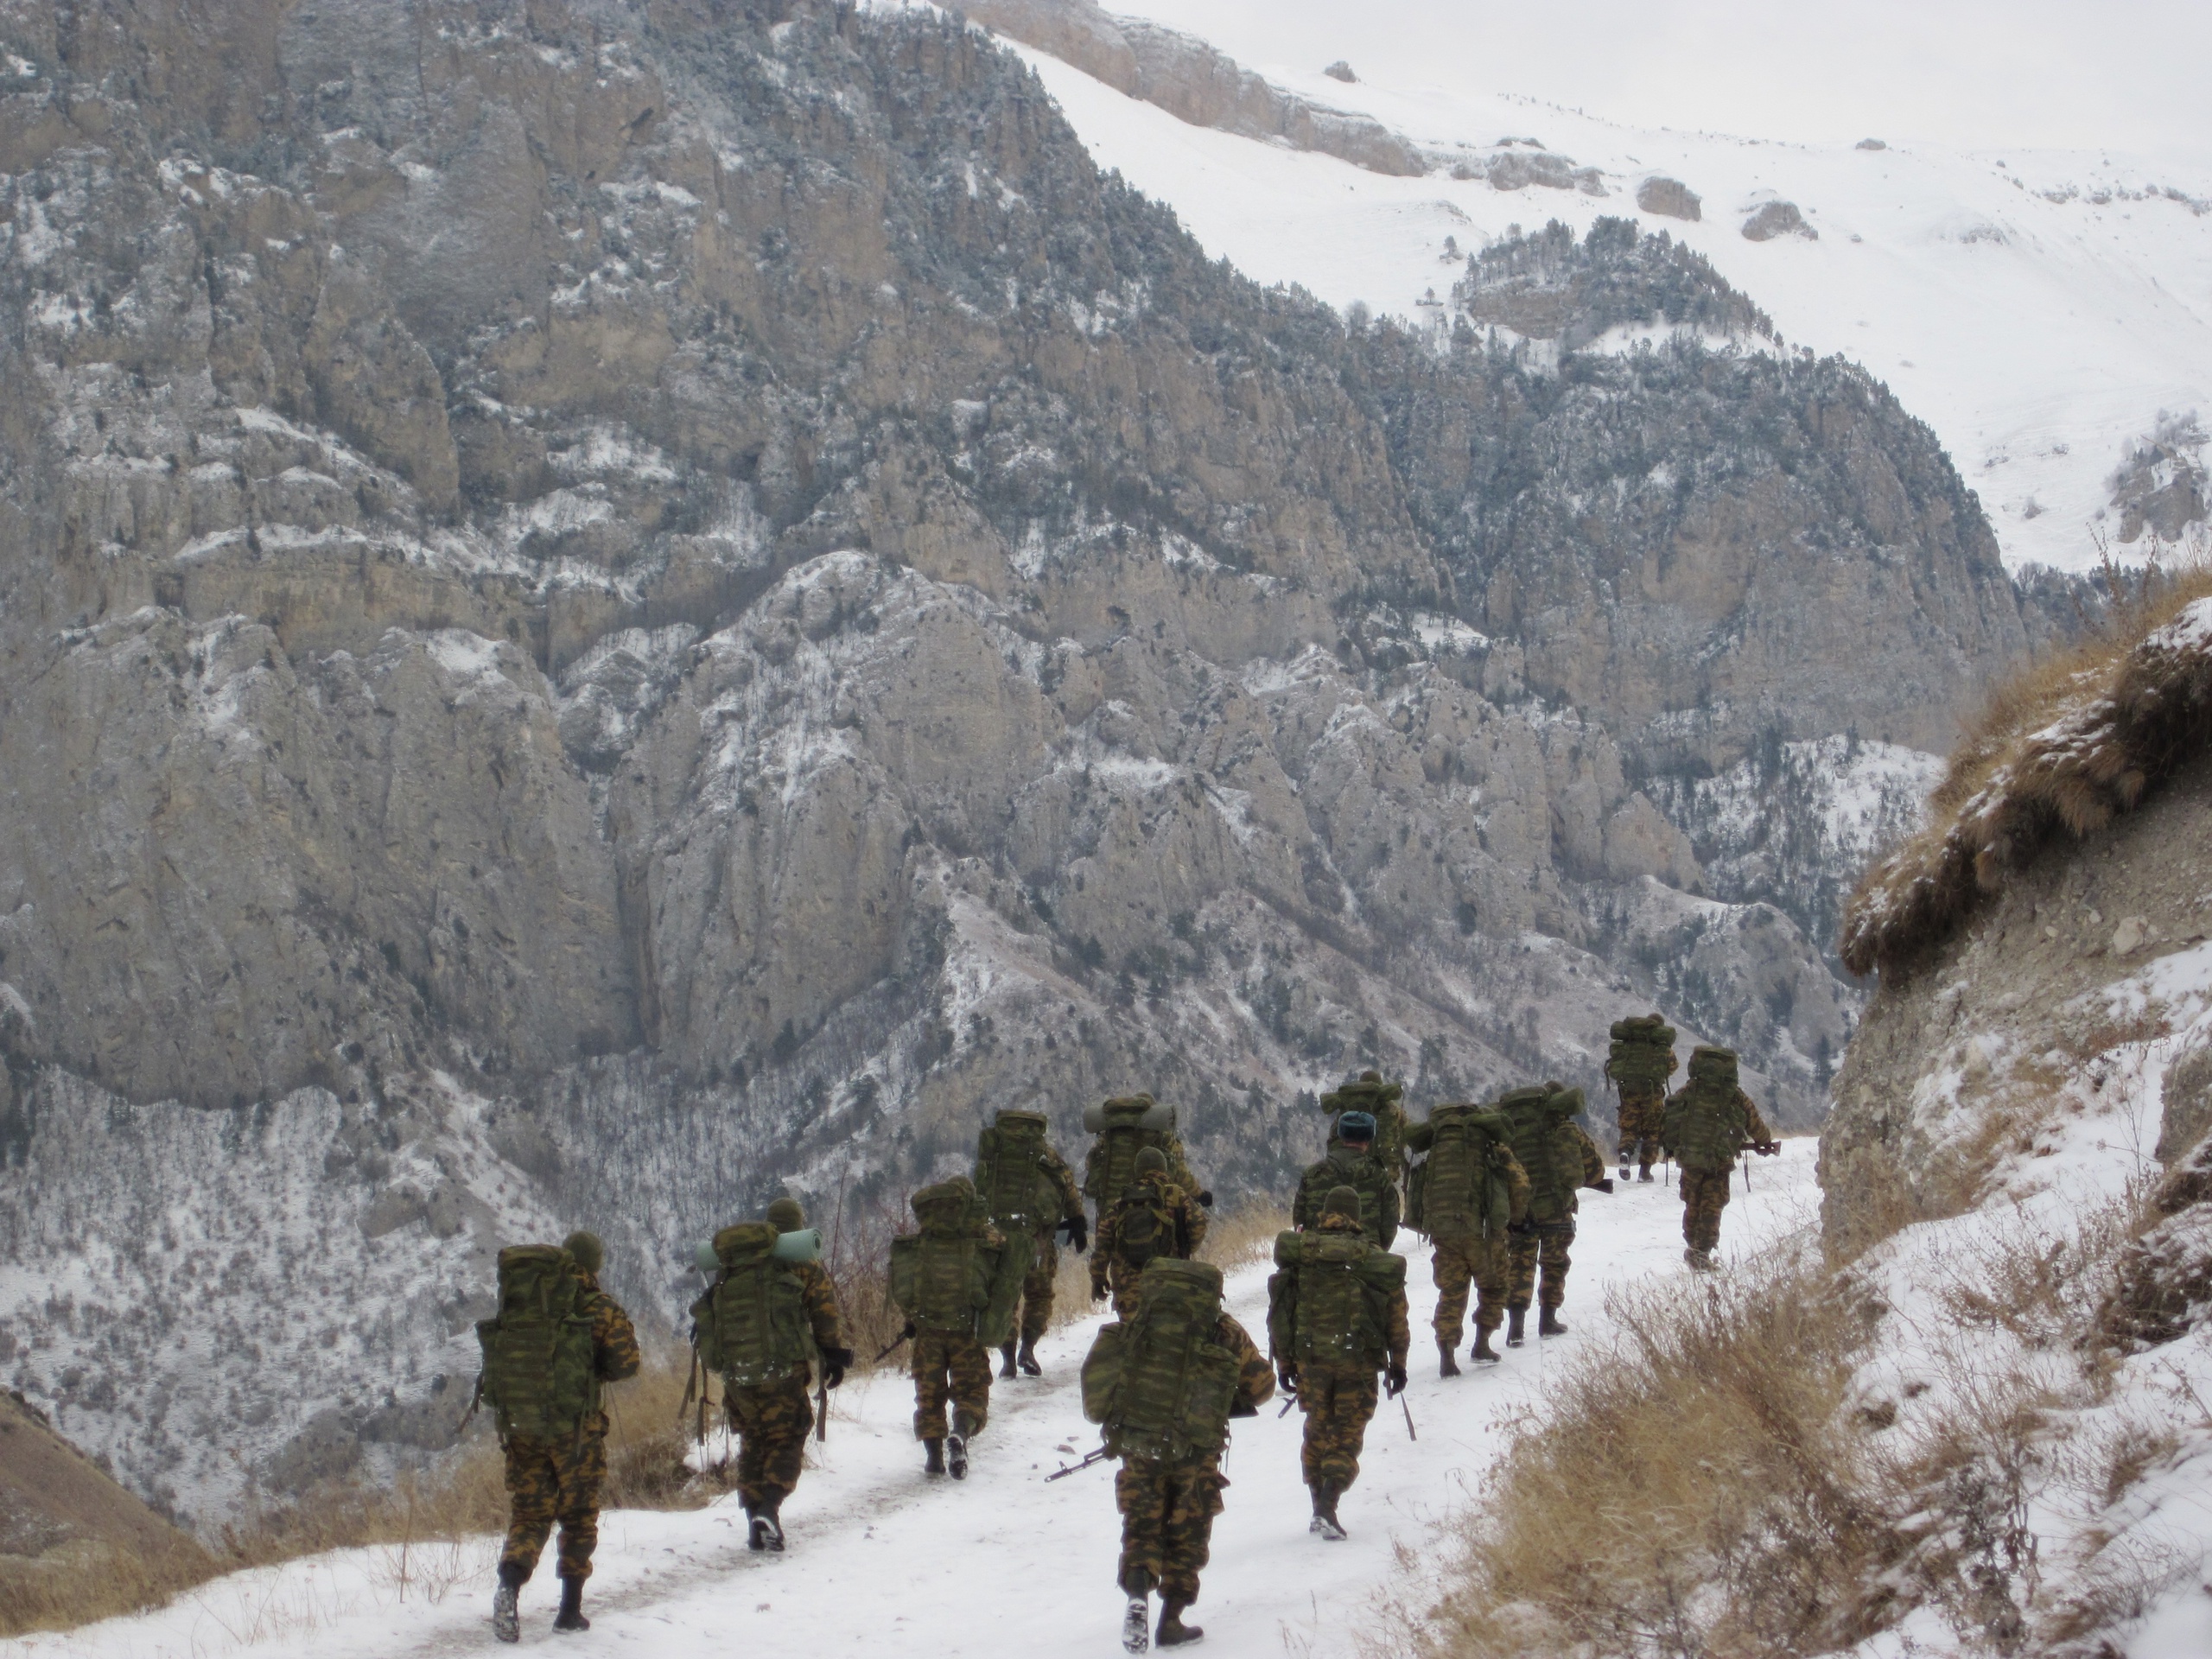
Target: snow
885,1561
2039,309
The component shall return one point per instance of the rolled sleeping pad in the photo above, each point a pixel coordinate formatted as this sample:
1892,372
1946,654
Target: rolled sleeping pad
705,1259
1156,1116
804,1245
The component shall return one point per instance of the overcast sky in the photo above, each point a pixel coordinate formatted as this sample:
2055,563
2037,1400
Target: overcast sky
2133,75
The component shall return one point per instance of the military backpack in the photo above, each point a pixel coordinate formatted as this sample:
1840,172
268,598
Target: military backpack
1328,1301
1704,1125
1459,1189
1017,1193
1160,1383
1146,1225
1385,1101
1643,1056
751,1327
950,1277
1120,1128
1547,1149
540,1375
1367,1174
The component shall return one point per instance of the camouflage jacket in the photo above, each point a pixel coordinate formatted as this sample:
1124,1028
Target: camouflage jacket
821,1304
614,1339
1063,1179
1256,1379
1189,1225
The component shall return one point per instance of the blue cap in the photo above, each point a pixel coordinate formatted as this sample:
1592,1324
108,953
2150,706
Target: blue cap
1355,1126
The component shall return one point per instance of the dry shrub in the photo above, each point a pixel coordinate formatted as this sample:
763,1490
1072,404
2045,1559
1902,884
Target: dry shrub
1243,1235
84,1581
1687,1488
2072,742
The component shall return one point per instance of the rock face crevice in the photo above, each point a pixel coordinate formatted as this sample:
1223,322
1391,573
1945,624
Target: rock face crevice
642,603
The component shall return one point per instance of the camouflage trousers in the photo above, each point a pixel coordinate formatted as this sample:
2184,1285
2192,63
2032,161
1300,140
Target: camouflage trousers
556,1480
1641,1113
1338,1401
1705,1195
950,1370
1037,1290
1458,1262
771,1423
1167,1510
1525,1253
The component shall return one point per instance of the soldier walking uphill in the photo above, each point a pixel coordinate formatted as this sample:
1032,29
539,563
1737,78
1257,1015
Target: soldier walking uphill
557,1338
1163,1384
1558,1158
1352,1162
1336,1316
1708,1121
770,1313
1641,1060
1465,1194
1154,1216
1028,1189
957,1281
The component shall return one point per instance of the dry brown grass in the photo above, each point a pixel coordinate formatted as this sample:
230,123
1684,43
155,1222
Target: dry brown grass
81,1582
2071,742
1244,1235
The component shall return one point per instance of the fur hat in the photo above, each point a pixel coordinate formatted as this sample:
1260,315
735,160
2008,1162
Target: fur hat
1355,1126
587,1249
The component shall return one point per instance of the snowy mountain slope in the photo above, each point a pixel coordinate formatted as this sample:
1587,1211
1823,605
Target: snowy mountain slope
2041,310
885,1562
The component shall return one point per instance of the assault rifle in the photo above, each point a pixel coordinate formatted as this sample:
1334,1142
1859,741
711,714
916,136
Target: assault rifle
1061,1473
897,1342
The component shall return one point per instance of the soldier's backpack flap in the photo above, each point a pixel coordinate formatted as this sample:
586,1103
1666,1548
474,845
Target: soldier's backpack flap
1714,1066
1127,1111
1101,1370
1145,1225
1000,1292
743,1243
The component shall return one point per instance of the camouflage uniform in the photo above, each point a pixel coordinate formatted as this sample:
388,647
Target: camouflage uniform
950,1368
1107,1265
1461,1259
1168,1505
1640,1107
1045,1265
1339,1400
559,1480
772,1421
1547,1246
1705,1192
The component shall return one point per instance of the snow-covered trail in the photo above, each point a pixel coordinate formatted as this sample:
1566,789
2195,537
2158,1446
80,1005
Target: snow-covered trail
884,1559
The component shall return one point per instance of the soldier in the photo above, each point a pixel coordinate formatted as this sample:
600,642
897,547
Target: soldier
1163,1386
1641,1060
764,1363
957,1280
1708,1121
1558,1158
1120,1128
1028,1190
1154,1216
1336,1316
1467,1191
551,1426
1352,1162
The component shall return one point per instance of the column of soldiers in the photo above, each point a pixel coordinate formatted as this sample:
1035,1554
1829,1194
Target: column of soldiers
1494,1188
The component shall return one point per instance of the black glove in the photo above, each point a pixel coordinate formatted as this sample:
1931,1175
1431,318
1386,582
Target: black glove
1524,1226
907,1335
1287,1375
1394,1380
1767,1148
1243,1409
1604,1184
834,1362
1077,1231
1205,1197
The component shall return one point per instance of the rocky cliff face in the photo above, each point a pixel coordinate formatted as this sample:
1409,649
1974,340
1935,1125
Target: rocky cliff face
605,608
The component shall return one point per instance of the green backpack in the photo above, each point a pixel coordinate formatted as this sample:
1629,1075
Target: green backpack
1460,1189
1368,1175
950,1277
540,1375
1385,1101
751,1326
1121,1128
1538,1117
1016,1192
1328,1302
1160,1384
1145,1226
1705,1126
1643,1056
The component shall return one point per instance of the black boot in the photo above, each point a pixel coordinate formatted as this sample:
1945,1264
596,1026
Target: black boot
506,1622
1006,1360
1644,1175
932,1456
1482,1348
1549,1323
571,1616
1513,1317
1173,1632
1325,1522
1446,1365
956,1446
764,1530
1027,1359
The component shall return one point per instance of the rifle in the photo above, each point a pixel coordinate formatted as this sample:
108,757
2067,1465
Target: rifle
1061,1473
1411,1434
822,1406
897,1342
